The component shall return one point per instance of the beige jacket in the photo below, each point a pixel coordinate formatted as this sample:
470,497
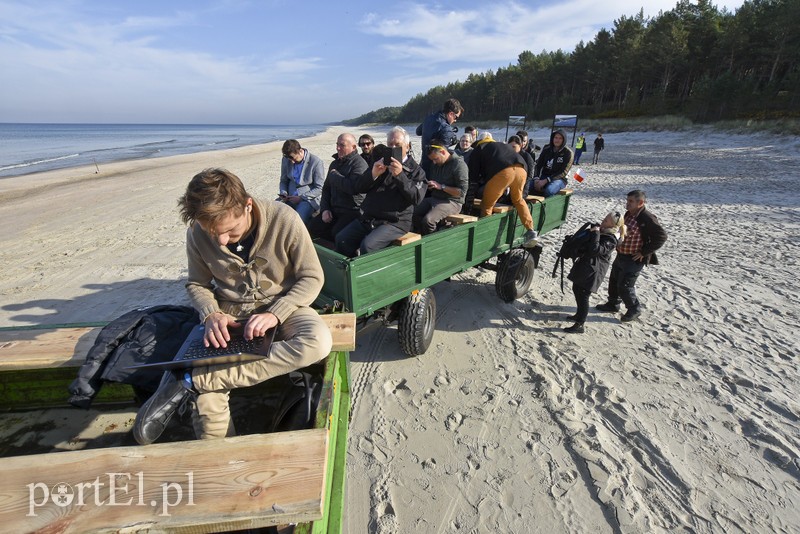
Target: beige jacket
283,274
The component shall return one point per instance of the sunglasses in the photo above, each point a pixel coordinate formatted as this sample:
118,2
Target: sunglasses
366,143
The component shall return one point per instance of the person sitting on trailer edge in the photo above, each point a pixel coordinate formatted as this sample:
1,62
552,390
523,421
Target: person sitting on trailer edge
251,265
447,185
553,165
393,187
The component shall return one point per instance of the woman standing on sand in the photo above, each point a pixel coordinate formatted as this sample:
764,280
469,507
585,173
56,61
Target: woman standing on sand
589,270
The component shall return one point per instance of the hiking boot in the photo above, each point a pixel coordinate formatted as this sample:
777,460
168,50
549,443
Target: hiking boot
607,307
630,315
577,328
531,239
153,416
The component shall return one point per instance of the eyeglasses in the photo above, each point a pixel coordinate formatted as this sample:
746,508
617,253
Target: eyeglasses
365,143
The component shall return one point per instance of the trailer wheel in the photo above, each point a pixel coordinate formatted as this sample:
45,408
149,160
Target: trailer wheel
417,322
514,274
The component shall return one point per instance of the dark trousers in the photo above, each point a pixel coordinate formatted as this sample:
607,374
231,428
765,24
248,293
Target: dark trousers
431,211
364,236
624,272
582,300
318,228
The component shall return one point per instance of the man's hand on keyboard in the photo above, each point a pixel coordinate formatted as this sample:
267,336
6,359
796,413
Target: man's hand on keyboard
258,324
217,334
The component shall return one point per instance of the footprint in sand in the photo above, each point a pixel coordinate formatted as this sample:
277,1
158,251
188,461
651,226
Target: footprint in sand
454,420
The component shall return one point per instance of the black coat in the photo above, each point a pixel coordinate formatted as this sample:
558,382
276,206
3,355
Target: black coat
653,236
592,265
141,336
391,199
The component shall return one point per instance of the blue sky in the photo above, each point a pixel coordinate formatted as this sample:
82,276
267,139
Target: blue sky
267,62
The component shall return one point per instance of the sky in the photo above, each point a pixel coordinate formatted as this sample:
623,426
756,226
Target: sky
267,61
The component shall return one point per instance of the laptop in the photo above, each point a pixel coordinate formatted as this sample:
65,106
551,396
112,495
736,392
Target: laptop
193,353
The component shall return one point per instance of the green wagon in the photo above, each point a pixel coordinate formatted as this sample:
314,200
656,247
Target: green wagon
395,283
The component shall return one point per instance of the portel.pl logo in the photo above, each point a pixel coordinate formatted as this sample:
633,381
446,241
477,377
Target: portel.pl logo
112,489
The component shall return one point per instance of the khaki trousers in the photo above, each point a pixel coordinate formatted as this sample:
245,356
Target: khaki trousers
513,177
301,340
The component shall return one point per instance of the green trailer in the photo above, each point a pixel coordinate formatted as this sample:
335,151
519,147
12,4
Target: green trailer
395,283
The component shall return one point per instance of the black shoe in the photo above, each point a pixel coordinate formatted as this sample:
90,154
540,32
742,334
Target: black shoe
608,307
154,414
572,318
630,315
577,328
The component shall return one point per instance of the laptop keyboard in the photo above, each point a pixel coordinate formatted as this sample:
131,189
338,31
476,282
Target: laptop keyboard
235,346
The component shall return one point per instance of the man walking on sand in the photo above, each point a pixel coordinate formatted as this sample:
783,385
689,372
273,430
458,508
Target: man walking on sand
643,237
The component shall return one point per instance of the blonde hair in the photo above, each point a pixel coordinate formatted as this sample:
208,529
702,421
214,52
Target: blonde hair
619,225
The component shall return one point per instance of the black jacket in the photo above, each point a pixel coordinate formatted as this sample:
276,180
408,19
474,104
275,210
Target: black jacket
592,265
653,236
141,336
555,164
339,192
487,159
391,199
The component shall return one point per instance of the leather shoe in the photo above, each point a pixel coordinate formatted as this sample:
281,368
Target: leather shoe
577,328
608,307
630,315
153,416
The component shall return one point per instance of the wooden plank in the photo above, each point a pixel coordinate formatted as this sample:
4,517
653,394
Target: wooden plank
534,198
565,191
199,486
498,208
460,218
41,348
409,237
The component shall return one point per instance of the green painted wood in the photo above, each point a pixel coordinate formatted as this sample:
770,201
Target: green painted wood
367,283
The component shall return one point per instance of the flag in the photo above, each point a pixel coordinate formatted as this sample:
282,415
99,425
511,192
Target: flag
579,174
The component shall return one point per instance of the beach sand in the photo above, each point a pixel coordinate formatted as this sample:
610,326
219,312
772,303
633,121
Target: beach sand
686,420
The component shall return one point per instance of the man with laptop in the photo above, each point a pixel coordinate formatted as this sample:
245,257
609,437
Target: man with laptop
252,268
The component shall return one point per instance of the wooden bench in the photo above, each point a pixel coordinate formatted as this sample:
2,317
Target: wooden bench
534,198
407,238
47,347
227,484
498,208
460,218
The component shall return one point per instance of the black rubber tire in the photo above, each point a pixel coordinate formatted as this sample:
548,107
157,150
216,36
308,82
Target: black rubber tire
515,270
417,322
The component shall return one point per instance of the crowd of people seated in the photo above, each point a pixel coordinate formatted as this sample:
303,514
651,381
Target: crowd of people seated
368,200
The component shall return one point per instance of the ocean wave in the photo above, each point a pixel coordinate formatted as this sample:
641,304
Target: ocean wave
37,162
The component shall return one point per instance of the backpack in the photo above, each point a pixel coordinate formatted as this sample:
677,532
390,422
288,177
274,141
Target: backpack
571,248
298,403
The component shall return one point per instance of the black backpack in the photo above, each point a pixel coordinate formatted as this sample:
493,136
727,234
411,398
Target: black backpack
571,248
298,404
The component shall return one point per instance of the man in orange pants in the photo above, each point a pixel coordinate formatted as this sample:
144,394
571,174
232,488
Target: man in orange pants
493,168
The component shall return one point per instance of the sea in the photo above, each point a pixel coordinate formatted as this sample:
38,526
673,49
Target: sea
30,148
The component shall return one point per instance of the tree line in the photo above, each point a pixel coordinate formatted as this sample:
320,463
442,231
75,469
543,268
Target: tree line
693,61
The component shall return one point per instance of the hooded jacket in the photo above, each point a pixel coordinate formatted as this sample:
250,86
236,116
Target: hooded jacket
554,164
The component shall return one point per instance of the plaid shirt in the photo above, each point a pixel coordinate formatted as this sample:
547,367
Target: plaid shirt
632,244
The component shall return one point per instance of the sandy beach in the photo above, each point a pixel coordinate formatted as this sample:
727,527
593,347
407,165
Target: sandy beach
686,420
